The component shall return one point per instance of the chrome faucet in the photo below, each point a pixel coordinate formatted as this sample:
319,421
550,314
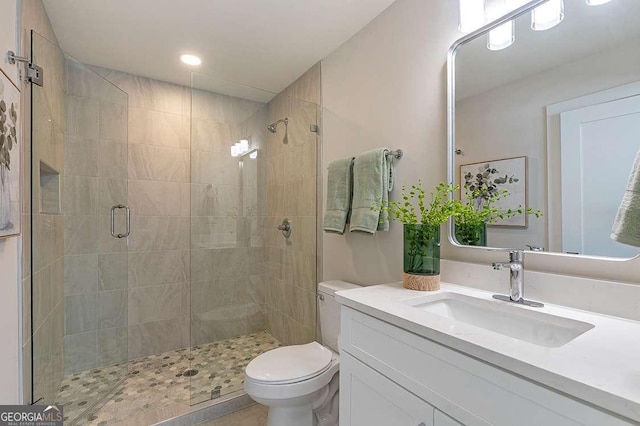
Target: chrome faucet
516,279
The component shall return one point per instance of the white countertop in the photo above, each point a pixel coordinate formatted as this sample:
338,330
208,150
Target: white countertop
601,366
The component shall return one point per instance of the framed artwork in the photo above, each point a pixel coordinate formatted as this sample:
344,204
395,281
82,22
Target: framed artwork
9,158
508,174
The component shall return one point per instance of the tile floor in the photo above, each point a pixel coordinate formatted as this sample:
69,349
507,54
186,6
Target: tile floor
256,415
156,381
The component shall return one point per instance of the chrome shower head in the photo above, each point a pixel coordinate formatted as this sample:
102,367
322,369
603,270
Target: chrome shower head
273,127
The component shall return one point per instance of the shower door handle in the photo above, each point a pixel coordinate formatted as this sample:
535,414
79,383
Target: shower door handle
113,221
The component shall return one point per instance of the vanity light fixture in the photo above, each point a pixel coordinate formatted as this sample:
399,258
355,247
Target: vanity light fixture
239,148
597,2
254,155
548,15
501,37
471,15
192,60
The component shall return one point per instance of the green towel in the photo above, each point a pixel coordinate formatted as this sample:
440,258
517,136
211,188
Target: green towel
339,190
626,228
372,182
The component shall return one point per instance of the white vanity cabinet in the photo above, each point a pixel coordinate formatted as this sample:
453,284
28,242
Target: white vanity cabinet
389,376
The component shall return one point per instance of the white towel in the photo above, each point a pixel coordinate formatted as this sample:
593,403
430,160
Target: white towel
626,227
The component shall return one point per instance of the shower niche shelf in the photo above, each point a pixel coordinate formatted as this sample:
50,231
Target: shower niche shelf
49,189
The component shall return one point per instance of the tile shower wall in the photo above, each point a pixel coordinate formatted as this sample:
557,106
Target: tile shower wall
290,264
95,178
158,175
194,259
227,202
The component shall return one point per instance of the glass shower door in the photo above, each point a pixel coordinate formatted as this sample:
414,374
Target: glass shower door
80,225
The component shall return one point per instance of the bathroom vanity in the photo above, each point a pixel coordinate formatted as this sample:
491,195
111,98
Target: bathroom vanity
459,357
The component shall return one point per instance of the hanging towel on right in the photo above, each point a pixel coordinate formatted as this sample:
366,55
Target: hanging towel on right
372,182
626,227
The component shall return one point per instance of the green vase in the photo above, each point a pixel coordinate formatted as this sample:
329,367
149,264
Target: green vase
471,234
422,249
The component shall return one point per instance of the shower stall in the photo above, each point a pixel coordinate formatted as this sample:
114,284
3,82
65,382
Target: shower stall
158,269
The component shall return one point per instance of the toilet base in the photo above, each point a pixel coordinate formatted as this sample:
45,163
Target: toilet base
290,416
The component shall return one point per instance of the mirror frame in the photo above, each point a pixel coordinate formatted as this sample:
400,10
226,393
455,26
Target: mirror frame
451,142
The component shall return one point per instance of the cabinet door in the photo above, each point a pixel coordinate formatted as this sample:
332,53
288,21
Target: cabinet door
441,419
368,398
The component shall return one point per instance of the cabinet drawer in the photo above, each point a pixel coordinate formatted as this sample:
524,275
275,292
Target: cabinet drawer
368,398
469,390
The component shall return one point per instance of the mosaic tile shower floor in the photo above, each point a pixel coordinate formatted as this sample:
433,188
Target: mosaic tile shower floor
160,380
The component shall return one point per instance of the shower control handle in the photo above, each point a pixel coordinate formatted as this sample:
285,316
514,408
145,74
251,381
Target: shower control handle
285,227
113,221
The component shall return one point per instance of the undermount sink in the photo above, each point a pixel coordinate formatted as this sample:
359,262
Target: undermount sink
503,318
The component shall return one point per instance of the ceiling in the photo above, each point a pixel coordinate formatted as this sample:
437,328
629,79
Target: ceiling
265,44
586,30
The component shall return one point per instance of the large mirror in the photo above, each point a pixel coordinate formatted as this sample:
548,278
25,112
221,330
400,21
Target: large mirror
545,126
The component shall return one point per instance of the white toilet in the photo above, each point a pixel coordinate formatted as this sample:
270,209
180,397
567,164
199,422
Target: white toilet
299,383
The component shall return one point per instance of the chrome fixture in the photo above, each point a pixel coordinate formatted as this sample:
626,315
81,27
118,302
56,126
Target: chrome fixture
516,281
285,227
273,128
113,221
397,154
534,248
34,73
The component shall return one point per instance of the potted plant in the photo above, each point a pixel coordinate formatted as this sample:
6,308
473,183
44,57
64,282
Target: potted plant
422,218
482,191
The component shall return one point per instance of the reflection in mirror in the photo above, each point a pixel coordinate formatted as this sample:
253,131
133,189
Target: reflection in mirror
547,129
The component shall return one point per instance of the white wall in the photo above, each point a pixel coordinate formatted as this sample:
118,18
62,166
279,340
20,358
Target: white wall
387,87
9,249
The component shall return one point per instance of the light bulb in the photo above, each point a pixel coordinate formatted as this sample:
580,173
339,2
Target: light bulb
254,155
234,151
501,37
190,60
547,15
244,145
597,2
471,15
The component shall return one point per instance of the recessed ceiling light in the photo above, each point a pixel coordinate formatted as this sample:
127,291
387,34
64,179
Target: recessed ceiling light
190,59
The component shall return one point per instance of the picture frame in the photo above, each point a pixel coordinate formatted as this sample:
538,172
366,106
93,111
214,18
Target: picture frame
10,158
506,173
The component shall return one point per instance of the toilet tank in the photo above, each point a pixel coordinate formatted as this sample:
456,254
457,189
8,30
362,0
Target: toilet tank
329,311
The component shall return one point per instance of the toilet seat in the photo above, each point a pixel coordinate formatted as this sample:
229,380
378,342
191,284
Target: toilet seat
289,364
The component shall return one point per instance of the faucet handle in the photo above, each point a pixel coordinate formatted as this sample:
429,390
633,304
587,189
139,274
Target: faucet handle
534,248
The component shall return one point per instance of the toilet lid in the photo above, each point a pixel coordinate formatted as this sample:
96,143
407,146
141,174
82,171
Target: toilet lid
290,364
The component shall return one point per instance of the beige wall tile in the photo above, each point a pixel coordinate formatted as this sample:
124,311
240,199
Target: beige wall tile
158,128
80,352
80,313
159,233
113,122
148,268
82,117
112,347
80,156
156,163
112,309
149,198
155,337
80,274
160,302
112,271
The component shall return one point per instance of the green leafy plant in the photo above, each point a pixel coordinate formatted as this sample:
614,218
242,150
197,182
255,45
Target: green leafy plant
416,209
422,216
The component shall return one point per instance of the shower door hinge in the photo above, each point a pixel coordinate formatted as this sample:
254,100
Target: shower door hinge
34,73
